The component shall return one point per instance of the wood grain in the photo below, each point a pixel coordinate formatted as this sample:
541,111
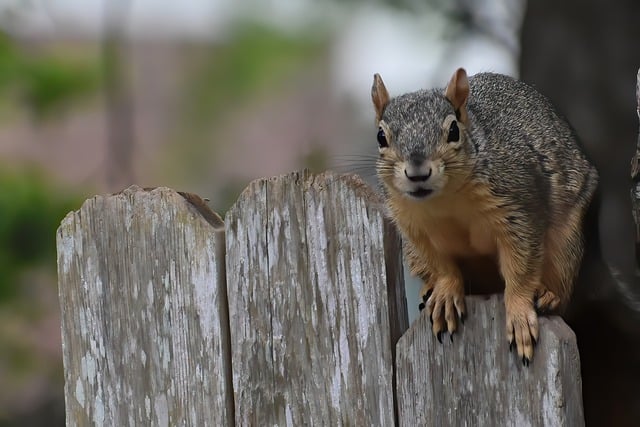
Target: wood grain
310,303
144,312
475,380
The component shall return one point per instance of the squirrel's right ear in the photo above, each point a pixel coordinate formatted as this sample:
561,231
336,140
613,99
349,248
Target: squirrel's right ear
457,92
379,96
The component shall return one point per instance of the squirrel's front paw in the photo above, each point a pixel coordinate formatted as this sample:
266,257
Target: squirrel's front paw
522,326
444,302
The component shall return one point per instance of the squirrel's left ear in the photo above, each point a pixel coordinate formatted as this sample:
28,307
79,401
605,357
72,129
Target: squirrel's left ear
379,96
457,92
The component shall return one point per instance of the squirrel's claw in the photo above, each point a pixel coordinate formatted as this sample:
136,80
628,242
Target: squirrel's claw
445,305
522,327
427,295
460,308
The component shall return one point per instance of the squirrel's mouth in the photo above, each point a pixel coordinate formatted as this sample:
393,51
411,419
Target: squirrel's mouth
420,193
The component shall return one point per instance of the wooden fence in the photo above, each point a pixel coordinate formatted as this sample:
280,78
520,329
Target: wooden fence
290,312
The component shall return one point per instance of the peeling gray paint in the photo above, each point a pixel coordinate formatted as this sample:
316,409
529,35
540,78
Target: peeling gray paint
139,274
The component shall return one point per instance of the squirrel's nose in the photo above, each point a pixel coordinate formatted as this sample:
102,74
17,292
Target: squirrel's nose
417,169
417,174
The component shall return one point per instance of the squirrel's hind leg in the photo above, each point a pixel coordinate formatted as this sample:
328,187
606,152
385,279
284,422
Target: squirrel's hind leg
546,301
563,250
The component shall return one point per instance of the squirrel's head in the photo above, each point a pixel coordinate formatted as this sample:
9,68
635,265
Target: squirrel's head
422,138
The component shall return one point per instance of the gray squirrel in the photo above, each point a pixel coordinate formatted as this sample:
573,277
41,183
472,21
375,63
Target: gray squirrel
489,188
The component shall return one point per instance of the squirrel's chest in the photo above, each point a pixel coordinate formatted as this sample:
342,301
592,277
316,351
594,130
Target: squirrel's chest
455,227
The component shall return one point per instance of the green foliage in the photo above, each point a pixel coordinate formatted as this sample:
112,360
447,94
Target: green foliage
50,84
254,58
30,212
45,83
254,61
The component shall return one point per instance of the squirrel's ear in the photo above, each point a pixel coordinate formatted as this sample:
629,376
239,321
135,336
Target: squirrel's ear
457,93
379,96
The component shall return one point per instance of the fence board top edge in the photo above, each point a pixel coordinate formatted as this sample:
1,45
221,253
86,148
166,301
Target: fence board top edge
308,179
304,177
130,193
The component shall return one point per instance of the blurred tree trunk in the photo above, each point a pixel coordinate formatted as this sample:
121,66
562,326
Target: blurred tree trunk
584,55
118,96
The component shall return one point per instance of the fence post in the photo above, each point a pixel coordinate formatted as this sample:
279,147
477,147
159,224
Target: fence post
313,308
474,380
144,314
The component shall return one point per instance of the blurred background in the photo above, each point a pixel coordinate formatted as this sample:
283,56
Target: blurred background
205,96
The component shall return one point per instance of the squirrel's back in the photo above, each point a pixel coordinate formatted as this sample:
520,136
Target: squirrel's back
523,143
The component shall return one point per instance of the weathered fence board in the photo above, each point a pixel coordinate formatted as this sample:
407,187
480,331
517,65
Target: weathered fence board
144,312
296,324
311,303
474,380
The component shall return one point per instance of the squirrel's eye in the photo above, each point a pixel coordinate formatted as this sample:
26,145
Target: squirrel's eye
382,139
454,132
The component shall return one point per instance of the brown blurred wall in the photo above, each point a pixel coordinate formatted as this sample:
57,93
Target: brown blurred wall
584,55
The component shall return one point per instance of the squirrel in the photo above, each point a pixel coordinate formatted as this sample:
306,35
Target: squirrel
489,187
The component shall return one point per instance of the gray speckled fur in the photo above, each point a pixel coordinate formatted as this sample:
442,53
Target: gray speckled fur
516,140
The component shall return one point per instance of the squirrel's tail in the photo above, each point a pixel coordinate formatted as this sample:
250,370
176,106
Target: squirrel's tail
604,313
601,290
